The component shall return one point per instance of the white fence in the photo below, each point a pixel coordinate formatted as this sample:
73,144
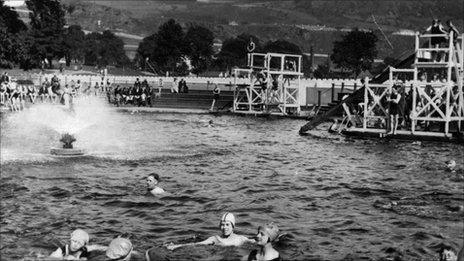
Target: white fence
312,91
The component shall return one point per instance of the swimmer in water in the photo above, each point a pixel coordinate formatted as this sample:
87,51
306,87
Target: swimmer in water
120,249
152,182
451,166
267,234
77,248
447,253
227,238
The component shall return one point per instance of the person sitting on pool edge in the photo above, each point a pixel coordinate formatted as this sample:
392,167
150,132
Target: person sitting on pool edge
228,237
77,248
266,235
152,182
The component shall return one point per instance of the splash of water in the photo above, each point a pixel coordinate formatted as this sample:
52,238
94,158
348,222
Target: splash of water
34,130
85,112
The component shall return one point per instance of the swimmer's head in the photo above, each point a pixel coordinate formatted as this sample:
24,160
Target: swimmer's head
447,253
267,234
152,180
79,238
227,224
119,249
451,165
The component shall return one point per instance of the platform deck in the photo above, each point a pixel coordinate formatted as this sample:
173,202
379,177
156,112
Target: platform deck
403,135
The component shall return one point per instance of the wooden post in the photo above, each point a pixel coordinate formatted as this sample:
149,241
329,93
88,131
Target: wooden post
298,95
366,102
319,98
282,63
390,75
343,87
333,92
414,104
355,87
448,111
416,59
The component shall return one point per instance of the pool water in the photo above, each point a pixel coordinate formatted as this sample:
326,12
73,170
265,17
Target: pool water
333,198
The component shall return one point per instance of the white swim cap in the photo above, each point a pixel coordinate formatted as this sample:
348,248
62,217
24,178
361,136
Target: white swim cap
228,217
119,248
81,236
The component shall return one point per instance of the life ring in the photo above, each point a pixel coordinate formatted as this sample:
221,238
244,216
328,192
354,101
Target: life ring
251,46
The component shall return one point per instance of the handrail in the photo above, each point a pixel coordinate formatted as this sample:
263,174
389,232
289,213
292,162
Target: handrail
432,35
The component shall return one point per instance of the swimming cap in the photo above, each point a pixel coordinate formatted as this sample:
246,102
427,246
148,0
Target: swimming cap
451,163
228,217
271,230
80,236
119,248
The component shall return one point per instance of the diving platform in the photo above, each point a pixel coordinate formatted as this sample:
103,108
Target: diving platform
429,108
273,85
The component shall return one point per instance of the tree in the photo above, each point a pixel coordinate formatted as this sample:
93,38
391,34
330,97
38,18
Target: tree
146,51
355,52
9,20
286,47
104,49
92,45
322,71
199,47
73,44
234,51
12,32
281,46
112,50
47,27
170,46
164,49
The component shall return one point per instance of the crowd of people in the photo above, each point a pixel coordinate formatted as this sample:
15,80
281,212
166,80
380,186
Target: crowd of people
14,95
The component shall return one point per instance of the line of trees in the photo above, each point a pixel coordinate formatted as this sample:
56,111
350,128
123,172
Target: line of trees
47,38
171,49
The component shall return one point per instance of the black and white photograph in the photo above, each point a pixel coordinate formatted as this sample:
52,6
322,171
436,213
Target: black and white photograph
248,130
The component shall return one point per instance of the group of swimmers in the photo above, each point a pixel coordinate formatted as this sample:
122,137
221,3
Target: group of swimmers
121,248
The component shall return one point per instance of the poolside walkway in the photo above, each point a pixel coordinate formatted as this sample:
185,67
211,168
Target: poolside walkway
168,110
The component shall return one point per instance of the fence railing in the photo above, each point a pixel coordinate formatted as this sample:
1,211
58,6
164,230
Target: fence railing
312,91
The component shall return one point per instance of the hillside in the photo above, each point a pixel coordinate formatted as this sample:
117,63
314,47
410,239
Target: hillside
305,22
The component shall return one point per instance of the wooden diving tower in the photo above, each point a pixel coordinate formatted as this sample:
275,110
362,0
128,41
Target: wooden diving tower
272,86
429,109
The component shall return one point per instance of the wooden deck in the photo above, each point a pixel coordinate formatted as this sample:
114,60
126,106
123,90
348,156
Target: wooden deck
404,135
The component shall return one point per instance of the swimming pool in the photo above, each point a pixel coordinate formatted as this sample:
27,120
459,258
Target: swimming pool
331,196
